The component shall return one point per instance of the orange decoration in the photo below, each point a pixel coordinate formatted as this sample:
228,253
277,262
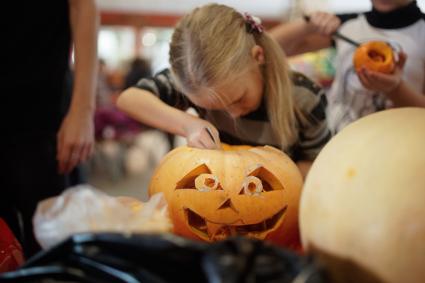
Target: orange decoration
242,190
375,56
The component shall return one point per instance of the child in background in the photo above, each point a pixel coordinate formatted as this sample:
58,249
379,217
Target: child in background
356,93
236,77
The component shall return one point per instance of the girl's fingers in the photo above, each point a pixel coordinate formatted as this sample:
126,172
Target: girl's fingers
214,135
328,25
318,21
85,153
333,25
363,78
63,157
59,145
402,57
73,158
91,150
196,144
207,141
203,142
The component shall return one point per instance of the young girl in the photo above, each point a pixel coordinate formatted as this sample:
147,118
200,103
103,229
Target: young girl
356,93
236,77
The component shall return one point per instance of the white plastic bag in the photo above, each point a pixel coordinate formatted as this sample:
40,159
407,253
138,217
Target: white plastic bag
86,209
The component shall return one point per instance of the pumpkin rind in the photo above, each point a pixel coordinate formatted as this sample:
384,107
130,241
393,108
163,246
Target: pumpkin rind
229,205
375,56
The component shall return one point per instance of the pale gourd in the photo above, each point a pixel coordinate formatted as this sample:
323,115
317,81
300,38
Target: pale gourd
363,204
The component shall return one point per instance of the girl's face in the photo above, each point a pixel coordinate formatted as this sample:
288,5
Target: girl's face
239,96
385,6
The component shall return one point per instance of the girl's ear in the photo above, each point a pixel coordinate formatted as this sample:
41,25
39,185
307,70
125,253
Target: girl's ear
257,53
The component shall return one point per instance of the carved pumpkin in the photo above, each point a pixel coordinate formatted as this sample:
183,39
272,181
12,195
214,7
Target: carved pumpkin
375,56
363,203
213,194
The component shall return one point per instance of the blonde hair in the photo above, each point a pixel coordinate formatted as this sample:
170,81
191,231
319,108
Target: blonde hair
211,45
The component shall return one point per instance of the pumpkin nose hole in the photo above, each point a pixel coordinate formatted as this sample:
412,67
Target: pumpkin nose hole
252,186
207,182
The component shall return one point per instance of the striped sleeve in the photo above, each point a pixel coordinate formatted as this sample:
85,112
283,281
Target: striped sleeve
162,85
314,133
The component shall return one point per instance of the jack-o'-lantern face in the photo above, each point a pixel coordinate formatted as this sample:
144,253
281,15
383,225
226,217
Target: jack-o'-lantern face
213,194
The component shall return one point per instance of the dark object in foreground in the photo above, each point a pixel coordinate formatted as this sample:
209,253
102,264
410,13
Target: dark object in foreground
164,258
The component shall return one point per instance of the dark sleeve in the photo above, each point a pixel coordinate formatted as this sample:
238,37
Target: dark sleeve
163,86
313,132
344,18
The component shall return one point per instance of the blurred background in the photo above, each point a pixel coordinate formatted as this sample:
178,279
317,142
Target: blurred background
133,43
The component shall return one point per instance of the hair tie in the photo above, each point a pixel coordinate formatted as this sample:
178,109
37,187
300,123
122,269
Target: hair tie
253,24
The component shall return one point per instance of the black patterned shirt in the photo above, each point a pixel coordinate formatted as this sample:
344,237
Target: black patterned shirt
255,128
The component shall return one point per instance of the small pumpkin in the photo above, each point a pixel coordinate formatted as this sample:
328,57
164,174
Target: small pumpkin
375,56
213,194
363,204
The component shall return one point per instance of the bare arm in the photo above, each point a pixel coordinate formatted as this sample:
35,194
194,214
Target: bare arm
300,36
404,96
84,25
304,167
150,110
76,134
296,38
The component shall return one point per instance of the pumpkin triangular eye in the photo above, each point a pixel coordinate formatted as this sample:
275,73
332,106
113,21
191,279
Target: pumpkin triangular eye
268,180
188,181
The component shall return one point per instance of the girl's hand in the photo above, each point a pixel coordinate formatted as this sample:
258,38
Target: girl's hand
386,83
202,134
323,23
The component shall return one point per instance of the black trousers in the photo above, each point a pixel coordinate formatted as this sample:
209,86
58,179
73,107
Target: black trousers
28,174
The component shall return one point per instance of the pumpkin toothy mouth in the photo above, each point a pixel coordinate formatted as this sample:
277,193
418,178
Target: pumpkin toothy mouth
258,230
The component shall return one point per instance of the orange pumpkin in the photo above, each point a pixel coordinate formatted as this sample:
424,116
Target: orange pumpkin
213,194
375,56
228,147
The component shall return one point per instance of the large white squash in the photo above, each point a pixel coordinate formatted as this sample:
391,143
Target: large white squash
363,204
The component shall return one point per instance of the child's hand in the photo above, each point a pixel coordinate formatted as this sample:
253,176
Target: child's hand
385,83
202,134
323,23
75,140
